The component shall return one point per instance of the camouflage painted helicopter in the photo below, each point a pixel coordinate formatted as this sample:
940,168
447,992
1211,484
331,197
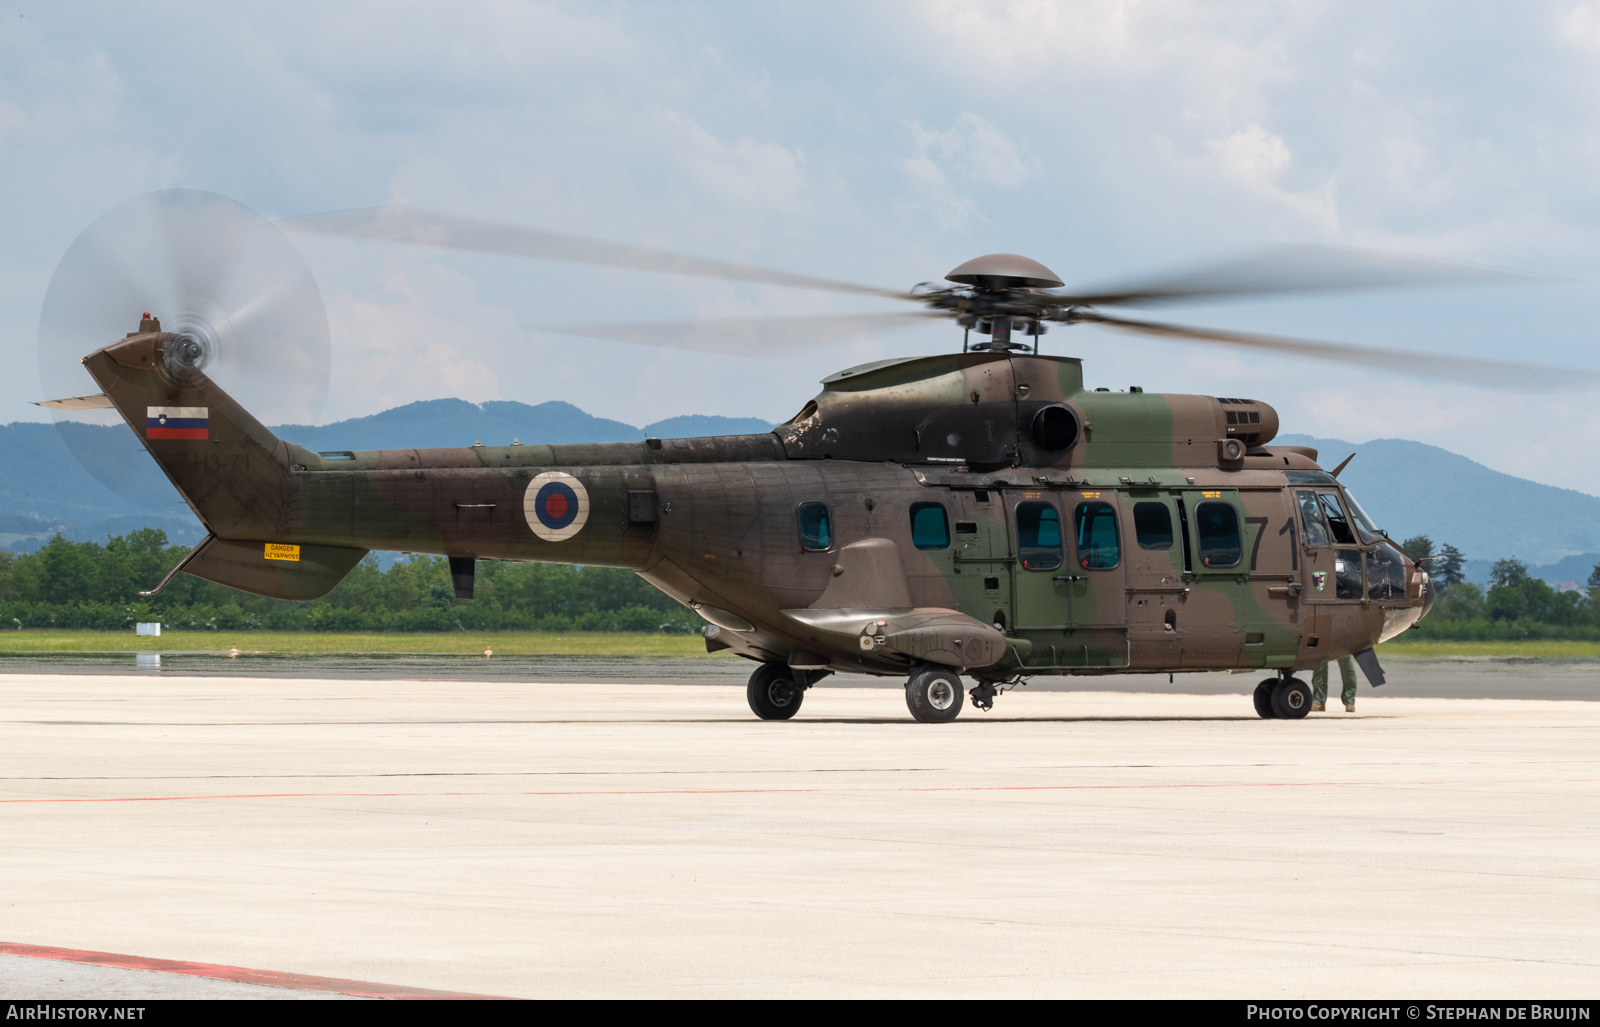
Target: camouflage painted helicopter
978,514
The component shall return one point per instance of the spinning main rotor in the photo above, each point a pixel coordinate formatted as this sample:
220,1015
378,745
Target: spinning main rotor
1003,298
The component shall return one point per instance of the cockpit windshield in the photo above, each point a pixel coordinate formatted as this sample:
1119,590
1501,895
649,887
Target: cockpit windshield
1369,531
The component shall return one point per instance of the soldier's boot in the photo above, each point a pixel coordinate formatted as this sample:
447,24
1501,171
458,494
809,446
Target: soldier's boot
1349,707
1317,707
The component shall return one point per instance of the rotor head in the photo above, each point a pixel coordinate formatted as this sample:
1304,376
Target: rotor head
1004,271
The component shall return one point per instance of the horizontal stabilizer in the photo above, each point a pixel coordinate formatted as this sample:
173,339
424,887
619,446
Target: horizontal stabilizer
99,401
277,570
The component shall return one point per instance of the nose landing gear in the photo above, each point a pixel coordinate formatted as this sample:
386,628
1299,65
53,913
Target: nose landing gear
1282,698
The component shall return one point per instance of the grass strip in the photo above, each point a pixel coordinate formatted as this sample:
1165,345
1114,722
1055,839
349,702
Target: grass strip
1529,649
509,643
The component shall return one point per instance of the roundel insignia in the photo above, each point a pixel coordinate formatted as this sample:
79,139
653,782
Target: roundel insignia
556,506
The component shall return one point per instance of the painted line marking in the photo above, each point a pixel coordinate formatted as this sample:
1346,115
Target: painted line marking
743,791
217,971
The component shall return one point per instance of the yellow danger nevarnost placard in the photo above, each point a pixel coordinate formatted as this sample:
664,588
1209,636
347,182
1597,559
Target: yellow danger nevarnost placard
283,551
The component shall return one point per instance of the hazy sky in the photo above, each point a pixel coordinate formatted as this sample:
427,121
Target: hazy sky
876,142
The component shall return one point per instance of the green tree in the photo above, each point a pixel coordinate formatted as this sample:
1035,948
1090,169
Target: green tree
1508,573
1460,602
1506,604
1418,547
1448,568
66,571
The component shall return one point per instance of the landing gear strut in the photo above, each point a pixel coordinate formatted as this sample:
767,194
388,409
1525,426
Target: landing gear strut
1283,698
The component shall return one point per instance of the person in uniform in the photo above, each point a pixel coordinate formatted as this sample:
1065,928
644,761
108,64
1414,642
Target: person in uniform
1319,685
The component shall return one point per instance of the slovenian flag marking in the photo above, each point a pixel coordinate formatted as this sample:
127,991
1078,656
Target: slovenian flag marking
176,423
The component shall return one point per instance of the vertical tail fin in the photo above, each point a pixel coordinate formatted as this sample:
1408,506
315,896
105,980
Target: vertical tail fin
229,468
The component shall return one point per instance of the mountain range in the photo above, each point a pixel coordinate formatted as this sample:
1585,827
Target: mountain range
1409,488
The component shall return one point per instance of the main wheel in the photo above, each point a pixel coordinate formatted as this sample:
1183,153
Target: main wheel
1291,699
934,695
774,692
1263,699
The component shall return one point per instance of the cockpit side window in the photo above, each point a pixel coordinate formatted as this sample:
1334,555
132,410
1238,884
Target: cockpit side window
1386,574
1315,525
1338,523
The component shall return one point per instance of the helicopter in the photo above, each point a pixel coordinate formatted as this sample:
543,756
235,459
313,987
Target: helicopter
964,521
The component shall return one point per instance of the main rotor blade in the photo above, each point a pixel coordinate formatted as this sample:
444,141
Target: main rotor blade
426,228
1447,367
1299,268
744,336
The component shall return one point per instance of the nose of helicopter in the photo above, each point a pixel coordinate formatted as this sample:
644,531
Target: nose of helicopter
1429,593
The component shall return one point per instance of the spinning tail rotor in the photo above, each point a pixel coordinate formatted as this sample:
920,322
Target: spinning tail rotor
208,269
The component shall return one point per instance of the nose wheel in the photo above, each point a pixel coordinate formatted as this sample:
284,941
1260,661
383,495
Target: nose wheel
1282,698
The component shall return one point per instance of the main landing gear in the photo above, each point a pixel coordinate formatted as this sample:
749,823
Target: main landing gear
1283,698
775,691
933,694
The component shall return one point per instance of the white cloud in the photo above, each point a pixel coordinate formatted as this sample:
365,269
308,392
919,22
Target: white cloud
399,344
745,173
1255,158
1251,155
972,151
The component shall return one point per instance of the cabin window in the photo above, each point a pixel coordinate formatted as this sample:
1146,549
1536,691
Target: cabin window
1095,524
1218,527
1316,525
1338,523
1038,536
816,530
1347,573
1152,525
930,528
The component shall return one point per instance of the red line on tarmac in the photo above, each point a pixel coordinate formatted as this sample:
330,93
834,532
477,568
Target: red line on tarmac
715,791
215,971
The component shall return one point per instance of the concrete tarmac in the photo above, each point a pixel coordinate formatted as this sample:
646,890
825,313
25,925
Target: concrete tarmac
634,840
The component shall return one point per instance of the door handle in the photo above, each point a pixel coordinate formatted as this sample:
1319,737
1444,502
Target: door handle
1070,577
